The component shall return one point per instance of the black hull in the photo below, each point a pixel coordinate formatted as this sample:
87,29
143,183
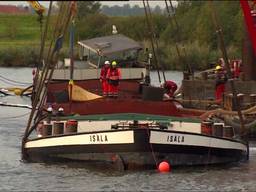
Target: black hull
140,153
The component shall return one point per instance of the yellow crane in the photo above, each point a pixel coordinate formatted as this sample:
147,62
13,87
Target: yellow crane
37,7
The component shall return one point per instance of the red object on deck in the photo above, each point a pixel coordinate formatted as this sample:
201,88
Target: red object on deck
206,128
128,101
71,122
220,89
171,87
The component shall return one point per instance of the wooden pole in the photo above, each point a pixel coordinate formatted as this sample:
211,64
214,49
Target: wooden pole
227,65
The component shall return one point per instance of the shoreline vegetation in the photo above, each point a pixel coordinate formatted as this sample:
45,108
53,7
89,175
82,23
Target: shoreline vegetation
20,34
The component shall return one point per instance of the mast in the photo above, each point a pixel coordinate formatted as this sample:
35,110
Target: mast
155,39
227,65
47,71
249,44
72,50
71,53
174,24
152,40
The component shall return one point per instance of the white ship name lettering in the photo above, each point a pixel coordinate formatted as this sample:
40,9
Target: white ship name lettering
98,138
175,139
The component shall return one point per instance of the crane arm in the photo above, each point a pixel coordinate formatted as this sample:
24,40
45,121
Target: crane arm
249,16
37,6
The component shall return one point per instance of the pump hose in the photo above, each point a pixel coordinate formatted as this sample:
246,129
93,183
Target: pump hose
251,110
228,120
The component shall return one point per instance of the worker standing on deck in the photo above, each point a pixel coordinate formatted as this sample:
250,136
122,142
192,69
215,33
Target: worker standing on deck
103,78
113,76
237,69
170,87
221,79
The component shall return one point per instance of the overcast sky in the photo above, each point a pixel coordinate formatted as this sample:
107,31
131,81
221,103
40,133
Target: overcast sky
152,3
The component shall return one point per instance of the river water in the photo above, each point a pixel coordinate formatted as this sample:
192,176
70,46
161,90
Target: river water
16,175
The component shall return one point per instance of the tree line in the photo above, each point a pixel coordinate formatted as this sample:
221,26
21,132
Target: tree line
196,34
127,10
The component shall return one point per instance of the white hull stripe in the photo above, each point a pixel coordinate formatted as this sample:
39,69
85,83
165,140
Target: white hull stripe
122,137
127,137
193,140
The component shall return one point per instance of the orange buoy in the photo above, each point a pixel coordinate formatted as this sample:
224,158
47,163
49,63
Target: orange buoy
164,167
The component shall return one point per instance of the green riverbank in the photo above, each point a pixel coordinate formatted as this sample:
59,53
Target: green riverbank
20,34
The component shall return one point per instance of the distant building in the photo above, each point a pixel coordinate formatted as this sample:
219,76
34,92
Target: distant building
12,9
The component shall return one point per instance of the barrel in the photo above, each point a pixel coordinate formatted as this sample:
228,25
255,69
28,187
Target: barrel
206,127
217,129
228,131
58,128
47,130
253,99
150,93
71,126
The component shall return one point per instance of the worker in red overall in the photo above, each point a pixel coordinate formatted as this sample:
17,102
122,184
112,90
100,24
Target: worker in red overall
237,69
103,78
170,88
113,76
221,79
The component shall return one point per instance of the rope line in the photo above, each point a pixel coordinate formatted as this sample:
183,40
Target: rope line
151,147
13,81
14,117
151,39
48,68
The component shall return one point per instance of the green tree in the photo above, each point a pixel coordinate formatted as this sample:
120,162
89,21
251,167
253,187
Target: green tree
85,8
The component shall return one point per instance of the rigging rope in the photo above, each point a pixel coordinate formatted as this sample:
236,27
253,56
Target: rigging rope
37,93
151,40
69,16
13,81
14,117
155,39
178,32
225,56
48,68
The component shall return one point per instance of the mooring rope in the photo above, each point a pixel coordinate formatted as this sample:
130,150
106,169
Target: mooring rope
14,117
49,67
66,20
36,96
155,40
152,40
151,148
10,81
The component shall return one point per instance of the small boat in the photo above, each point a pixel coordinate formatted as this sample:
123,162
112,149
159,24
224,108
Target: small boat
136,129
135,140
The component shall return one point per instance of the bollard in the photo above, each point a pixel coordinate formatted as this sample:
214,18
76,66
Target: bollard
217,129
71,126
206,127
58,128
228,131
47,130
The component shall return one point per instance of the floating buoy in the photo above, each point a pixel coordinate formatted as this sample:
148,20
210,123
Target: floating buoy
17,91
164,167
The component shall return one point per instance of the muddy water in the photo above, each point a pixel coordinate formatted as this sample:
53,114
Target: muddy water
20,176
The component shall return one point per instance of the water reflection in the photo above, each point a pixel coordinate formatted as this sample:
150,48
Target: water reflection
20,176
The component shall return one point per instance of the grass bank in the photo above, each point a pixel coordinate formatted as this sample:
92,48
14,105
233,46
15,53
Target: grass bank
20,39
